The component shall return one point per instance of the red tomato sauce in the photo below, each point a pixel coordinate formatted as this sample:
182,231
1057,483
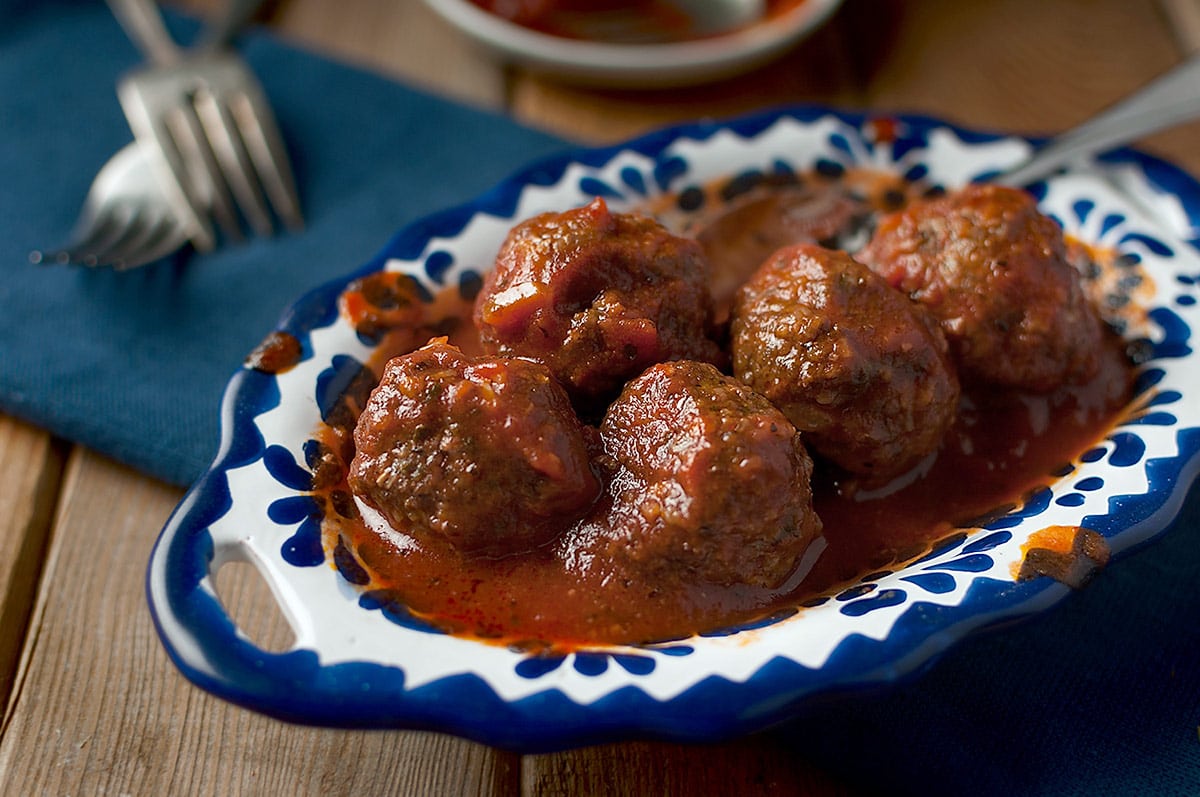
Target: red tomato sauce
610,20
1001,446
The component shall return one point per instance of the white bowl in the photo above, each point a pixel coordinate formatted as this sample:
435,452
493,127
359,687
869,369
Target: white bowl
638,65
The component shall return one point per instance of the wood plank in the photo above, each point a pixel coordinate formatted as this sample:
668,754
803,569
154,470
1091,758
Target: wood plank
1025,66
755,765
111,715
30,466
1018,65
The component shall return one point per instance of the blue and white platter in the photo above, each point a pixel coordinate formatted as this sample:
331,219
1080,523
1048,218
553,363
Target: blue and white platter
356,663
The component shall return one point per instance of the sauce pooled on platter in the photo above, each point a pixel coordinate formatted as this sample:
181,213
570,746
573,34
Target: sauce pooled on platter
631,434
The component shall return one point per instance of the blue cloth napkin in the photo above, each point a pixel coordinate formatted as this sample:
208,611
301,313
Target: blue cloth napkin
134,364
1099,696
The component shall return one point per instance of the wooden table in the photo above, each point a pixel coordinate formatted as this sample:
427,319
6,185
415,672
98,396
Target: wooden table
91,705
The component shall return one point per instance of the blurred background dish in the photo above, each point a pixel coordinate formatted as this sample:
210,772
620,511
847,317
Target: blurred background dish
575,45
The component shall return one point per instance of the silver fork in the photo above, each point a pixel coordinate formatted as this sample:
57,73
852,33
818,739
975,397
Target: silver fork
136,212
127,220
206,116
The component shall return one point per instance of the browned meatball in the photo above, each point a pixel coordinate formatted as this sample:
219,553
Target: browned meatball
484,453
708,481
597,296
993,270
856,366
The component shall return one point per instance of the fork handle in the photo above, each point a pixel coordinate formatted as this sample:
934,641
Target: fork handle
237,15
144,25
1168,100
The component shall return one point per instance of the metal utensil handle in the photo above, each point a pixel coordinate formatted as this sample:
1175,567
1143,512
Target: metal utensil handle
225,28
1168,100
143,23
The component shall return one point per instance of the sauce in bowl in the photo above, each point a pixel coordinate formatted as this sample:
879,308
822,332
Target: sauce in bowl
630,21
1003,446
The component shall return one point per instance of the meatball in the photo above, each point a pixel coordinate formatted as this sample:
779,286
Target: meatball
993,270
708,481
858,368
597,296
485,454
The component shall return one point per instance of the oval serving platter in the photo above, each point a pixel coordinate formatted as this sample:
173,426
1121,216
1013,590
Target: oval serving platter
357,662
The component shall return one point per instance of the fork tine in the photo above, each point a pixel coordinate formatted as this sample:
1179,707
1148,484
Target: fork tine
204,183
163,245
264,143
130,245
222,150
102,230
151,127
123,237
130,229
230,153
155,240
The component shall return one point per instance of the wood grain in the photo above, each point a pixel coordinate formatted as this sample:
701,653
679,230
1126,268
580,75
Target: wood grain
30,468
113,716
1030,67
95,705
760,765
